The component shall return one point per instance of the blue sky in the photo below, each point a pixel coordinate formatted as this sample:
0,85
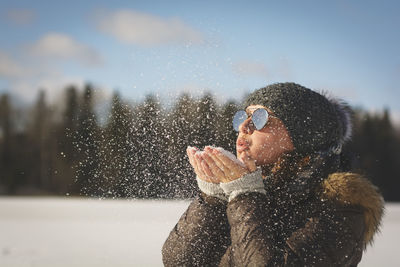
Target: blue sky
349,48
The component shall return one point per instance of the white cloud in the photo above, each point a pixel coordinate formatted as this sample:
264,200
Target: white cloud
251,68
133,27
21,16
52,82
9,68
24,77
59,46
33,68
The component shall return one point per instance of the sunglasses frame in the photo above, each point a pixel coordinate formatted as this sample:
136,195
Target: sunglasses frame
252,124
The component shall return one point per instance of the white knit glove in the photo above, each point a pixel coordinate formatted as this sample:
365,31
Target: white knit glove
251,182
211,189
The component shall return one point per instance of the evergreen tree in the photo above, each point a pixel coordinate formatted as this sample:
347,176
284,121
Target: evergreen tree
377,151
87,143
7,178
149,140
205,122
39,134
183,121
69,124
226,135
67,135
117,150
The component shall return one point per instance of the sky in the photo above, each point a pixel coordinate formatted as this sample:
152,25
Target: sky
347,48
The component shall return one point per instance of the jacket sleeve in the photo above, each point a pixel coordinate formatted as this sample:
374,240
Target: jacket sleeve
252,237
201,236
327,240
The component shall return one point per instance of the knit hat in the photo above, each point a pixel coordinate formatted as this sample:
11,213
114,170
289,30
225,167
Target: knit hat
314,121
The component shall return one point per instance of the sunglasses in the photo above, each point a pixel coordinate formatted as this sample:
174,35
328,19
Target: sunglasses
259,119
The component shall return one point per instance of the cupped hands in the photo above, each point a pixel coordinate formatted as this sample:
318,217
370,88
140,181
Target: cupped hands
216,165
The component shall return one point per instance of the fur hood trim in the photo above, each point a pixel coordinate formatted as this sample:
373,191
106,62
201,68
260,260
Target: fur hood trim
353,189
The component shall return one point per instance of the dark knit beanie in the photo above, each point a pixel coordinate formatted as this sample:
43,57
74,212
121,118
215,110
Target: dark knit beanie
315,123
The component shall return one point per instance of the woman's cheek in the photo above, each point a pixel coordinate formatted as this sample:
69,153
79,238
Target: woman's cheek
259,155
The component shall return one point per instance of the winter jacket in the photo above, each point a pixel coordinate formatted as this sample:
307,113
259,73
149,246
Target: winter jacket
316,219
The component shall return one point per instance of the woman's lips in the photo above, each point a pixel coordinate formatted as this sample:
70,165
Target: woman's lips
242,145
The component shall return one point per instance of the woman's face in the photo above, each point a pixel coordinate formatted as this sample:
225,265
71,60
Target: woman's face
267,144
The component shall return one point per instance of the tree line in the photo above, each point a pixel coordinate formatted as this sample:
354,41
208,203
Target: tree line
139,150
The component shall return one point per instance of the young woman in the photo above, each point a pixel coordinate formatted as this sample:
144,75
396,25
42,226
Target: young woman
285,200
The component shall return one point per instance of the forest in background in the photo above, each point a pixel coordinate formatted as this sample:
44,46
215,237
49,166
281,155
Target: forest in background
138,150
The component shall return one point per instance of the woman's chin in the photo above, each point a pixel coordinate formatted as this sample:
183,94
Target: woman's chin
258,163
239,152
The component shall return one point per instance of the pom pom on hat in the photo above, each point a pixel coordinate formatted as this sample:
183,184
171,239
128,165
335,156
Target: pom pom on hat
345,115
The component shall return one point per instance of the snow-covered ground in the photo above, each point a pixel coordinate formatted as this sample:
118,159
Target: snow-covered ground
88,232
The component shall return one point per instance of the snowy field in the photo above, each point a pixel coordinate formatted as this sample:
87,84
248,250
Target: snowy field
82,232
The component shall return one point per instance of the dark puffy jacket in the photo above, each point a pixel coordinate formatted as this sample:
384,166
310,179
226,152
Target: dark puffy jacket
329,225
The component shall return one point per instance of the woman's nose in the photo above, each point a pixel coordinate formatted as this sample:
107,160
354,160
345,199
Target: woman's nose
244,127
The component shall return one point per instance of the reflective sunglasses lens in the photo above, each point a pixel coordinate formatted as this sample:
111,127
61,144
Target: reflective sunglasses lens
238,119
259,118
